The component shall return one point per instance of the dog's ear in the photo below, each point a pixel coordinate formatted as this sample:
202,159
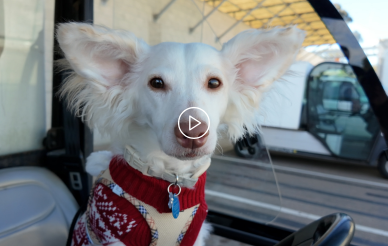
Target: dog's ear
258,58
102,65
97,53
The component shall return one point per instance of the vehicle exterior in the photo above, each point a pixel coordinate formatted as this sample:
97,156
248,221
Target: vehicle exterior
41,189
334,121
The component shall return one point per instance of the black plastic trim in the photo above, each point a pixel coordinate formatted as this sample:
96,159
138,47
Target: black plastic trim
246,231
27,158
242,236
78,138
263,232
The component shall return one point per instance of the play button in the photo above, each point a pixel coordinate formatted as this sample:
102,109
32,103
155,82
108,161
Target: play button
192,122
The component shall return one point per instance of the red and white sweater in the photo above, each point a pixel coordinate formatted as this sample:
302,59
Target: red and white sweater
120,209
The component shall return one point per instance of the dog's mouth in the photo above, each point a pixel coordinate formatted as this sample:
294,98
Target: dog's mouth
190,154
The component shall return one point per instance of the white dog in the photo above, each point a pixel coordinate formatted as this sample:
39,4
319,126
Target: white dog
135,93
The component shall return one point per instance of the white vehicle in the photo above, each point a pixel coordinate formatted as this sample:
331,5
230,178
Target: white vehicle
329,114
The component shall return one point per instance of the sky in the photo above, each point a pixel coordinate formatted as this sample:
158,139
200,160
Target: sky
370,19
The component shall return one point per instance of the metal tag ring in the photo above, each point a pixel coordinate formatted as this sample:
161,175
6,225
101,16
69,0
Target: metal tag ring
176,179
168,188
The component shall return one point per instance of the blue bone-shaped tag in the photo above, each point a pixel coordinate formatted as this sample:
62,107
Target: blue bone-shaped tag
173,204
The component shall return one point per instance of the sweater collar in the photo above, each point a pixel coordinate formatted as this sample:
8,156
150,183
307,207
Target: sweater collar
133,159
151,190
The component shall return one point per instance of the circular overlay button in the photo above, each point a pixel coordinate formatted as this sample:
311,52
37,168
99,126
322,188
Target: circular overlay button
194,116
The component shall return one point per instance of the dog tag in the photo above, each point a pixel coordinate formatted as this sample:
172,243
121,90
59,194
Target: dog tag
173,200
173,204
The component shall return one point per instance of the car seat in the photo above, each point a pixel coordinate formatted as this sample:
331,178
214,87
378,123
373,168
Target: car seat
36,208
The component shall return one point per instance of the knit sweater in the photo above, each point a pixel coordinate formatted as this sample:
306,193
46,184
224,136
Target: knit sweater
131,208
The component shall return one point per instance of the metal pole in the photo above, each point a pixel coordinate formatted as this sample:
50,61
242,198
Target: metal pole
282,16
157,16
267,6
238,22
205,17
276,15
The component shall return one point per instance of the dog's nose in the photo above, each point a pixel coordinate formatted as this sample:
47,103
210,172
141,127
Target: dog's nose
193,133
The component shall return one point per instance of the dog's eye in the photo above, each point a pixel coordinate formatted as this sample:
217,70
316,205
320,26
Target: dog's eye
157,83
213,83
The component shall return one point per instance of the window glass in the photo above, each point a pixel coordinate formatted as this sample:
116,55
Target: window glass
316,119
22,77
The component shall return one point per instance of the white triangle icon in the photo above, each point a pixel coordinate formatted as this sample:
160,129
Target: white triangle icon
198,123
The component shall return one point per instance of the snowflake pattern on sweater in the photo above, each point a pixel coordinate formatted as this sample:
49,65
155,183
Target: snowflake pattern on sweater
104,214
80,238
139,206
108,221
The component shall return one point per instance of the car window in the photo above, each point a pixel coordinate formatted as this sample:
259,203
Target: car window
343,127
24,76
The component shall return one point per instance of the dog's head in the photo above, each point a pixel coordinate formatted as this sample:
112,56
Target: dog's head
121,83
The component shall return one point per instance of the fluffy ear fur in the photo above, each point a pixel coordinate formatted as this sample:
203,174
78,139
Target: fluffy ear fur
102,63
258,58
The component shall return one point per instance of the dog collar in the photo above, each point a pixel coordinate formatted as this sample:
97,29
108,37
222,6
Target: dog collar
133,159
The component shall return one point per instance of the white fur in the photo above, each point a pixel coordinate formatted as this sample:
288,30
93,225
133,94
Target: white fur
98,162
204,233
108,87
